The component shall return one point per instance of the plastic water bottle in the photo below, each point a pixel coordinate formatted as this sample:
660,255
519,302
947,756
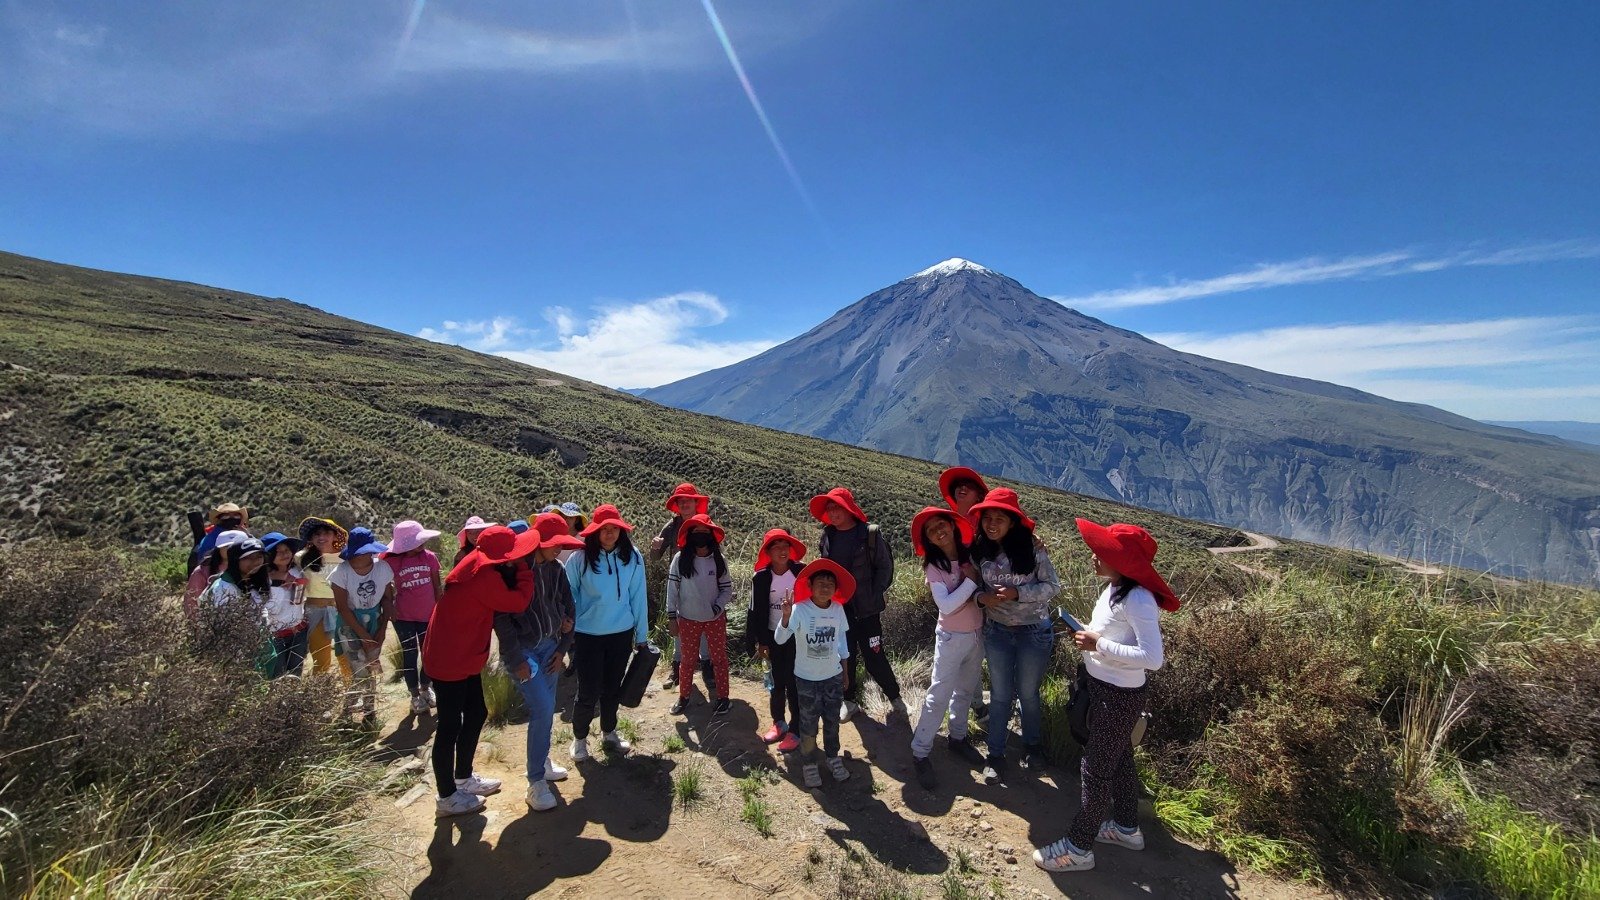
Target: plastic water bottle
766,674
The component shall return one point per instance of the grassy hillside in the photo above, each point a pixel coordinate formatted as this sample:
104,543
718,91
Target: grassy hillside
129,400
1324,714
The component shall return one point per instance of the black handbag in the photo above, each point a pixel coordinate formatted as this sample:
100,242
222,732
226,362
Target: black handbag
640,669
1078,706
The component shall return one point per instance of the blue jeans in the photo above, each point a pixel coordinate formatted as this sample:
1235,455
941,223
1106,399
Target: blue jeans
1018,657
539,696
819,705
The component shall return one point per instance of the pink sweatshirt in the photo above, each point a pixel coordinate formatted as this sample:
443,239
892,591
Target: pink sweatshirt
952,593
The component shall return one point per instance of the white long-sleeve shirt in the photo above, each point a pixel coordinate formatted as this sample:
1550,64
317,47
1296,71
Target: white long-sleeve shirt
1130,638
819,636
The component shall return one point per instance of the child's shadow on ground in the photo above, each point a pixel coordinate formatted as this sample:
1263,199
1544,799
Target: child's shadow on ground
881,831
532,853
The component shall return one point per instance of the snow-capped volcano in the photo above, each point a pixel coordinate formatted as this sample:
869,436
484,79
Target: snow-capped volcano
961,364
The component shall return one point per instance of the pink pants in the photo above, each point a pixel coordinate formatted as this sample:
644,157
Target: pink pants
716,632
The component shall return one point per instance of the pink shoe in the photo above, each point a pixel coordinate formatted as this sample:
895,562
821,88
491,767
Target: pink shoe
789,744
774,734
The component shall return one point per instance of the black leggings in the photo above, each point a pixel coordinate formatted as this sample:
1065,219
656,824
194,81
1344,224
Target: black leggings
461,715
784,693
865,640
411,635
602,661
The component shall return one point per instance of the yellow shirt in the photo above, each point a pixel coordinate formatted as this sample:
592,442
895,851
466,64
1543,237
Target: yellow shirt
317,586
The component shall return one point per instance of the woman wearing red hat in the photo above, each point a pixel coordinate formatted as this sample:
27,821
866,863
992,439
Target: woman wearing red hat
940,537
856,544
490,579
777,564
961,487
699,589
819,629
607,581
1121,643
1020,581
684,503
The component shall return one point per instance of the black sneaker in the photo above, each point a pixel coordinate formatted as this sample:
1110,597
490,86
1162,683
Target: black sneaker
710,675
672,680
994,770
924,772
964,749
722,707
980,710
678,706
1034,759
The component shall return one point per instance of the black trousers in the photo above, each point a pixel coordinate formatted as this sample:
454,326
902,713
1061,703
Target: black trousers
602,661
461,714
784,692
865,640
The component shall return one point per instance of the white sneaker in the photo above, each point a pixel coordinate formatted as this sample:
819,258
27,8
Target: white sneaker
1111,834
847,711
1060,857
613,741
811,776
580,749
460,803
553,772
477,784
837,769
540,797
419,705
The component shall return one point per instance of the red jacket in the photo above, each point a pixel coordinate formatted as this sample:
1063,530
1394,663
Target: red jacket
457,644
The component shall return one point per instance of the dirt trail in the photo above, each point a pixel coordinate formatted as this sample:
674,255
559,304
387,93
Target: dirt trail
1257,542
618,832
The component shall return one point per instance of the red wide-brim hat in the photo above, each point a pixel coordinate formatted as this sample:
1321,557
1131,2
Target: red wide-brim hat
698,521
554,532
963,526
846,581
687,491
1001,498
603,515
772,537
1131,551
839,495
499,544
950,476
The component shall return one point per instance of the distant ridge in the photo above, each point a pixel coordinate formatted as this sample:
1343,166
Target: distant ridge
961,364
1587,433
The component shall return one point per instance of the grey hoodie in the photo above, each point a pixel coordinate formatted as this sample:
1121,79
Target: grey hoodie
701,597
1034,590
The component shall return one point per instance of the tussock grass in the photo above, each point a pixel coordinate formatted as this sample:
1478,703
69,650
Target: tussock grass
502,696
688,785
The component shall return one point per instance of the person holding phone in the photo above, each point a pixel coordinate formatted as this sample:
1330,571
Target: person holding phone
1120,646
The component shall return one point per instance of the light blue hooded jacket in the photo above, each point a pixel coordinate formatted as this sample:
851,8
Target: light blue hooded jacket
612,599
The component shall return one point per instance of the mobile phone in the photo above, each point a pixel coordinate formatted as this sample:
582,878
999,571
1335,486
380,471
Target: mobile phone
1067,619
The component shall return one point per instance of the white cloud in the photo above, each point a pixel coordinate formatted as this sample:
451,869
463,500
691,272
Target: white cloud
1508,368
635,345
1312,270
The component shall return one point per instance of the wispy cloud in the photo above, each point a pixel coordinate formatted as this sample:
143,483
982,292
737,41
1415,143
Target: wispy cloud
1505,368
633,345
158,69
1312,270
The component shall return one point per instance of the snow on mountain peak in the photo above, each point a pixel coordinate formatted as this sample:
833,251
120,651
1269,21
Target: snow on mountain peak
952,266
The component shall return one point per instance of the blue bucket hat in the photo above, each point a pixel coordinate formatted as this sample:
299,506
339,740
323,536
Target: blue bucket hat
362,541
518,525
271,540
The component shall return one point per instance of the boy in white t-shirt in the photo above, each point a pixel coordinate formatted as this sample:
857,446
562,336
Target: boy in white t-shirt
363,591
818,629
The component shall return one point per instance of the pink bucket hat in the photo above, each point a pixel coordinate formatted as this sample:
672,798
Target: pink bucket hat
409,535
473,524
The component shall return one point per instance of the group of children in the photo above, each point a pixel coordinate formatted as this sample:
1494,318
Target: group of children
569,584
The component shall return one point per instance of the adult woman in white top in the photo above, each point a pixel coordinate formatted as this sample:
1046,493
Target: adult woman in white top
1121,643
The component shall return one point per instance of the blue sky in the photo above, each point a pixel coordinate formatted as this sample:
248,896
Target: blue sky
1401,197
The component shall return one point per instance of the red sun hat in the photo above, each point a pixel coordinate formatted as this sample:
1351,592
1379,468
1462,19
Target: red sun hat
841,594
499,544
698,521
687,491
1001,498
963,525
553,532
772,537
841,496
1131,551
950,476
605,514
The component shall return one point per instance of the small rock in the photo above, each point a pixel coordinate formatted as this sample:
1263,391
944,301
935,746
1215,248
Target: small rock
416,793
917,830
1011,860
986,826
990,846
976,812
